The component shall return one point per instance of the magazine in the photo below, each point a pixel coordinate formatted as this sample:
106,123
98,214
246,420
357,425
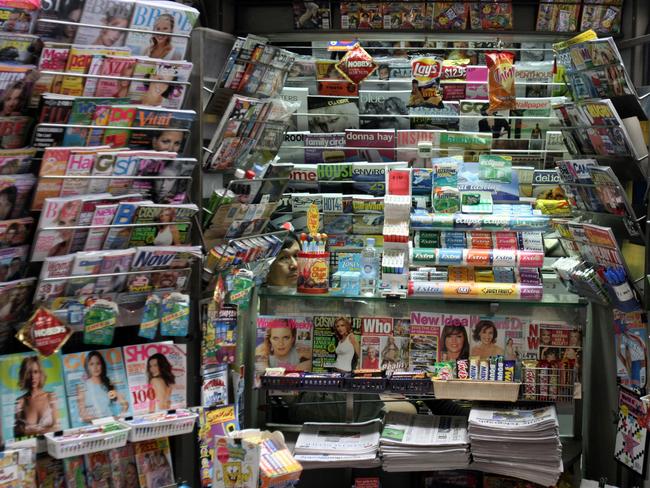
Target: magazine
67,10
174,128
219,329
75,472
18,420
15,232
96,385
176,233
380,349
214,389
157,375
171,17
57,212
474,118
283,342
124,469
14,296
324,341
103,13
118,237
98,469
218,421
329,114
13,263
154,461
297,95
53,267
16,161
158,91
49,471
375,102
374,145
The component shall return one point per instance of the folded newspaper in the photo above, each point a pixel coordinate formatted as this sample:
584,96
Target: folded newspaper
335,445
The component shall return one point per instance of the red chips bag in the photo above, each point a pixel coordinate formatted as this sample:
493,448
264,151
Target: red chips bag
44,332
501,80
356,65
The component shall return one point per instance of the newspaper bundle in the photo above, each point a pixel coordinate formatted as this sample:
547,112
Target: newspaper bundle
523,443
424,442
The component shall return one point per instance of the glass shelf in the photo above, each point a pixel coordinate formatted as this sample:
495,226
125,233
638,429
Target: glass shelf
555,296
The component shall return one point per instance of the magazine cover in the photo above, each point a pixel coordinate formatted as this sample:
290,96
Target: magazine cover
158,91
474,118
379,102
84,264
631,344
57,212
15,232
170,179
380,349
154,462
454,338
75,472
324,148
555,341
218,421
68,10
98,469
311,14
157,375
444,116
497,336
53,267
533,78
115,262
297,95
14,193
329,114
16,161
219,342
179,19
83,112
13,263
214,389
96,385
114,66
103,215
124,468
174,129
374,145
49,471
533,121
103,13
176,232
283,342
324,341
25,376
118,237
423,346
15,297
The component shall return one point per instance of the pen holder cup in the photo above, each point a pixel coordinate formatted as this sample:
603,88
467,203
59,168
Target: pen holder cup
313,272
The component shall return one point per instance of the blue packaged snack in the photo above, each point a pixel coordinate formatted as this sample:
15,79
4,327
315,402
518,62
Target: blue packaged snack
175,315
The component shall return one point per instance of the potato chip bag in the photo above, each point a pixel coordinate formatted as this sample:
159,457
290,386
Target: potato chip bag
356,65
501,80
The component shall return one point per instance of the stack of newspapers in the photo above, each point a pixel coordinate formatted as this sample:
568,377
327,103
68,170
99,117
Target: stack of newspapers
523,443
424,442
336,445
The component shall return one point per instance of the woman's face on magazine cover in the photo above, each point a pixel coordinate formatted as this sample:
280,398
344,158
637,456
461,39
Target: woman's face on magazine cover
108,37
454,342
163,24
487,334
12,101
154,369
281,341
94,367
342,328
169,140
35,374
